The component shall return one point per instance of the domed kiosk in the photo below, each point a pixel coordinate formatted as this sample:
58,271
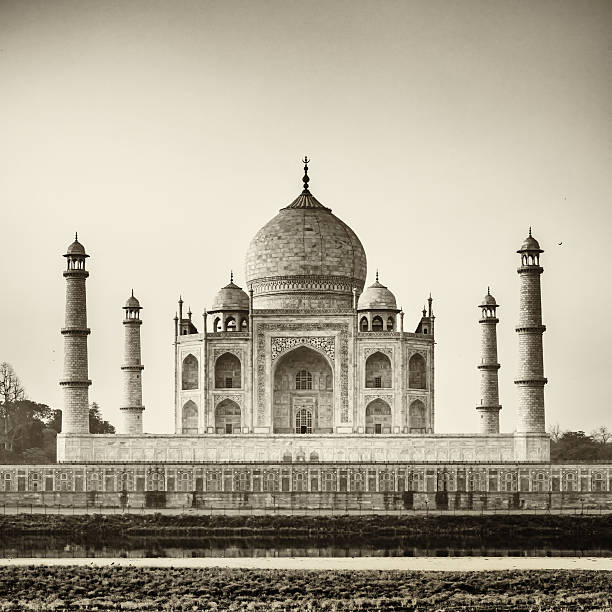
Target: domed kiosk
305,257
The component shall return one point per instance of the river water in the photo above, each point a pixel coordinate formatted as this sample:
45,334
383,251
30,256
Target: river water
154,547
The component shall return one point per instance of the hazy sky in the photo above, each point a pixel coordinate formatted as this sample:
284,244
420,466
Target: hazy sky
168,133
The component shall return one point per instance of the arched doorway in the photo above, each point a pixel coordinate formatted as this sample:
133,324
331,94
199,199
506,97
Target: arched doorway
303,393
378,371
416,417
417,376
227,417
228,372
378,417
190,417
190,373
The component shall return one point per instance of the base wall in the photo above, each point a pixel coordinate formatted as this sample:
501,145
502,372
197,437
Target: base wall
287,447
337,502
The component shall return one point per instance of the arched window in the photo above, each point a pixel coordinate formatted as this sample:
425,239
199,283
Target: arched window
303,421
228,372
377,323
416,417
378,417
378,371
303,380
598,481
230,324
190,373
190,418
244,325
363,324
417,378
217,325
390,323
227,417
314,456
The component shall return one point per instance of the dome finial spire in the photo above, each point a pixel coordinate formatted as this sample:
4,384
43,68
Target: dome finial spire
76,235
231,276
306,178
530,231
377,275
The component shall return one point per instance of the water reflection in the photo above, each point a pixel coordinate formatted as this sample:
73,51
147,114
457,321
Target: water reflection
150,547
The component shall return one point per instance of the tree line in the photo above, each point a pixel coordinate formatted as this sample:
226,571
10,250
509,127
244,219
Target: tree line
28,429
570,445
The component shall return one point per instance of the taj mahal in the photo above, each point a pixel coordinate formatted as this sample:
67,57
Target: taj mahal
306,364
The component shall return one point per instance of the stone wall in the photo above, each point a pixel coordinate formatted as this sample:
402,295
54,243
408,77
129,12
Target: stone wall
375,487
328,447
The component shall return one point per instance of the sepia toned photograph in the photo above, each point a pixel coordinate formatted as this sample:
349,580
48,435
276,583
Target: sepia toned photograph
305,305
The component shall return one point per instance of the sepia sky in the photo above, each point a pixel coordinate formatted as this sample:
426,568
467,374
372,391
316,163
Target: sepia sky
168,133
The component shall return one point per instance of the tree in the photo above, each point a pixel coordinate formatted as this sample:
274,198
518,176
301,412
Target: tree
555,432
602,434
575,445
97,425
11,392
11,389
25,434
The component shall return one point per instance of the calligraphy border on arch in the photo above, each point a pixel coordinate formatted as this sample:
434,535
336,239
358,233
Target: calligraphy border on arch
342,328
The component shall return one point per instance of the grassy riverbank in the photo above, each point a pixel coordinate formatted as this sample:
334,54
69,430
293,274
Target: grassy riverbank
108,588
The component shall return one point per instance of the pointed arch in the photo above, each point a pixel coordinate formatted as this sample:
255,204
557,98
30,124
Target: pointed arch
390,323
377,323
303,378
363,324
417,422
417,373
228,372
230,324
190,417
217,324
190,373
378,371
227,417
378,417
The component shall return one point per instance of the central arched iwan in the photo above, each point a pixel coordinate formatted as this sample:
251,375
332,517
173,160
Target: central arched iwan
303,384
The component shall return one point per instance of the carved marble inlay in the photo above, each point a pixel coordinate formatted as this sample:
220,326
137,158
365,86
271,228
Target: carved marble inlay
220,398
341,328
384,398
217,352
326,344
385,351
302,283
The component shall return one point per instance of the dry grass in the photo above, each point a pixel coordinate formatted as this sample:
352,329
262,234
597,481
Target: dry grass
126,588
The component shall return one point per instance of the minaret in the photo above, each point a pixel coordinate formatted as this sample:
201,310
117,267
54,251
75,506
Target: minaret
530,380
131,406
489,391
75,414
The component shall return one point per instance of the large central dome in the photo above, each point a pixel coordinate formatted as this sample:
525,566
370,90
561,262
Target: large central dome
305,257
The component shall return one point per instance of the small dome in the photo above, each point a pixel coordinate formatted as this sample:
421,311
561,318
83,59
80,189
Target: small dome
377,297
488,300
132,302
231,297
76,248
530,244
